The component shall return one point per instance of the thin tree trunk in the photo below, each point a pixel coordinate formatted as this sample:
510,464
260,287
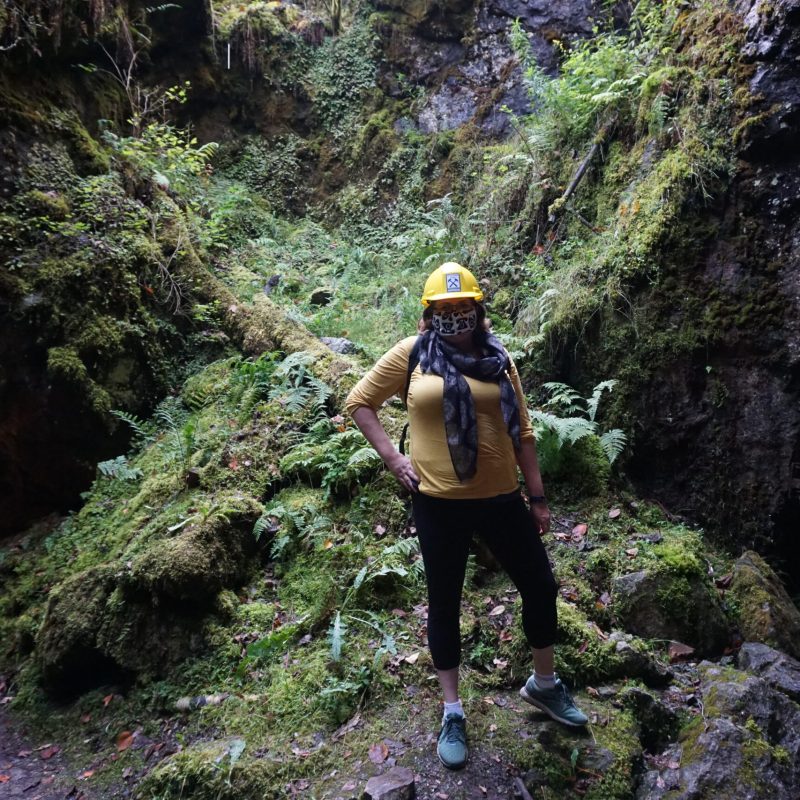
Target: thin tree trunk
557,206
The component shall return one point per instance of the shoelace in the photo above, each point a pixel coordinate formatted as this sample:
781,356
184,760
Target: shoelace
566,697
454,730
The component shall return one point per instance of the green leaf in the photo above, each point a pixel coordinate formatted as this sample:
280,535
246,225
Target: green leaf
235,750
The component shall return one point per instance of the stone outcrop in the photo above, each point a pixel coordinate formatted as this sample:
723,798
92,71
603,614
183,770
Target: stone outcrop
460,52
667,605
744,745
720,432
766,612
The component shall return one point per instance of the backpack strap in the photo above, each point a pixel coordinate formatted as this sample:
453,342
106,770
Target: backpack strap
413,360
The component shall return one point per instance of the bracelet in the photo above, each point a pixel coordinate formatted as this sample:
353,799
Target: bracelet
536,498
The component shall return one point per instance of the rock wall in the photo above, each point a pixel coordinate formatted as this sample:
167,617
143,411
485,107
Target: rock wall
719,437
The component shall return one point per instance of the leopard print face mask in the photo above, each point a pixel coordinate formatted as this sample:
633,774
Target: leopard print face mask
452,323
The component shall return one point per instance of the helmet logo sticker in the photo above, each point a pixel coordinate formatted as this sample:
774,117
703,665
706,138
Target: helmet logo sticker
453,282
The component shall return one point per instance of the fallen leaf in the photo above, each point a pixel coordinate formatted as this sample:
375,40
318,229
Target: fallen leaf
497,610
87,774
380,530
49,752
5,778
124,741
378,753
412,659
107,699
500,663
674,765
233,464
632,552
492,728
483,788
678,651
580,530
592,692
724,581
327,544
24,753
86,718
348,726
614,513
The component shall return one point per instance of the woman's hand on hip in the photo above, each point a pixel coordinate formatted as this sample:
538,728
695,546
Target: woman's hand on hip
400,467
541,516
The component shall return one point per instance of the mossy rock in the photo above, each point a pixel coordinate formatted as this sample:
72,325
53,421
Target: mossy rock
583,465
582,656
93,633
667,602
66,644
203,558
214,770
765,610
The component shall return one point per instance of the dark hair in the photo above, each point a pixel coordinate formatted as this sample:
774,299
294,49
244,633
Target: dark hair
484,323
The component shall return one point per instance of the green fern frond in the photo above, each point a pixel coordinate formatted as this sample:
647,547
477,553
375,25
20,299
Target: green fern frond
567,429
564,397
142,431
613,443
336,635
594,400
119,469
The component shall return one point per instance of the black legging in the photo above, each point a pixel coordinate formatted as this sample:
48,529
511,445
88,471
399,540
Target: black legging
445,529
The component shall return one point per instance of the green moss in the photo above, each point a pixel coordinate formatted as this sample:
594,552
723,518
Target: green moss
620,736
584,465
64,363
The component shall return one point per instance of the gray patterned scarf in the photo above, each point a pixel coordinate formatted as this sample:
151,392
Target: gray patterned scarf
440,358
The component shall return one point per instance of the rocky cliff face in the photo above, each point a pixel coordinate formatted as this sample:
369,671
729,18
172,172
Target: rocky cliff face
718,426
720,431
459,51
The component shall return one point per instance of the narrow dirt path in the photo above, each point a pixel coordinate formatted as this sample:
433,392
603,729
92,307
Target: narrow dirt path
32,769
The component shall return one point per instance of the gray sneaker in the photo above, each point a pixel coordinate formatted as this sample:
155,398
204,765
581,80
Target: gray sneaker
556,702
452,746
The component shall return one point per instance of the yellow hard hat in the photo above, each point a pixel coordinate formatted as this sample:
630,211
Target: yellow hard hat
451,280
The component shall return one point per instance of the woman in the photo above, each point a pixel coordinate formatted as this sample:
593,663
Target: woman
469,431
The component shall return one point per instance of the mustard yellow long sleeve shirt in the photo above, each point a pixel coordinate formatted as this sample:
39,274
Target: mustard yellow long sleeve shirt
497,466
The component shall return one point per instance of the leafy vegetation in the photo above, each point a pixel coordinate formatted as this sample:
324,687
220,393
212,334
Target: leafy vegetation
250,544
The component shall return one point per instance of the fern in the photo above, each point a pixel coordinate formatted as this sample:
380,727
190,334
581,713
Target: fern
142,431
594,400
613,443
553,431
180,429
568,429
564,398
336,634
364,455
119,469
298,388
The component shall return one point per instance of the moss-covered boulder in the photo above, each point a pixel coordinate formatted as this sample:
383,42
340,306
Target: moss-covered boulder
66,645
205,556
745,745
766,612
220,769
675,602
140,615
